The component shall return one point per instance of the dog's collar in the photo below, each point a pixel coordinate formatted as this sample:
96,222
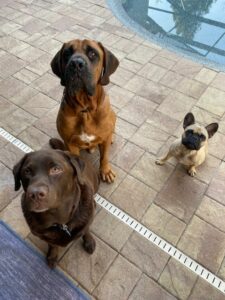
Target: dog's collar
62,227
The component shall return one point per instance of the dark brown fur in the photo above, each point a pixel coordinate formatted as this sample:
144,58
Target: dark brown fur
86,119
58,190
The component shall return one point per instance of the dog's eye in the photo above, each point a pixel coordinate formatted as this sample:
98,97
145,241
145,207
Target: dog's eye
202,137
27,171
55,170
91,54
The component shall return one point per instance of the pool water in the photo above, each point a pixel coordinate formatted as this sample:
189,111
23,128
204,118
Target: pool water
196,27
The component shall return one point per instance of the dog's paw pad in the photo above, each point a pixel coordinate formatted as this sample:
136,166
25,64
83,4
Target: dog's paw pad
159,162
192,173
89,246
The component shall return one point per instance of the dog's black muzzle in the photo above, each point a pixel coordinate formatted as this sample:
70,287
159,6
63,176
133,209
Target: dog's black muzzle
192,142
78,75
76,68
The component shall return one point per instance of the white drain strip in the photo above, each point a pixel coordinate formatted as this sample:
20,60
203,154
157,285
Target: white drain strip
162,244
141,229
15,141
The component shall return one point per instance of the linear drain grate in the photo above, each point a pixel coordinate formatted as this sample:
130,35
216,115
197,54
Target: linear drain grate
141,229
162,244
15,141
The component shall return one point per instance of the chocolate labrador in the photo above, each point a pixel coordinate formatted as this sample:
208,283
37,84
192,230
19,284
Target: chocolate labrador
57,202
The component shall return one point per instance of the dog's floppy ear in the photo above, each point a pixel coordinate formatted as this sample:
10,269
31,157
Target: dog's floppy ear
77,164
110,64
56,65
212,128
189,119
17,173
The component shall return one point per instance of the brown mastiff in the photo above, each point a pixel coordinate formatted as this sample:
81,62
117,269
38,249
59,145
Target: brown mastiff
86,119
57,202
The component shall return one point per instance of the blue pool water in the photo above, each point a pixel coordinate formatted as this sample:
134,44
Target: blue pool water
194,27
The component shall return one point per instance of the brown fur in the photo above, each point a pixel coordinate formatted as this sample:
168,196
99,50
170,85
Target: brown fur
82,114
190,158
67,197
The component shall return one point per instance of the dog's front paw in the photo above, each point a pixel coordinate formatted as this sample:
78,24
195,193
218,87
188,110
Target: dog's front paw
91,150
107,174
192,172
52,257
89,245
159,162
52,262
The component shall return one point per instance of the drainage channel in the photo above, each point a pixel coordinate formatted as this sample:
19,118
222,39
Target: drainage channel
146,233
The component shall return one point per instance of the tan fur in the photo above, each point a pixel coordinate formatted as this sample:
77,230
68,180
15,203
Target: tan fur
189,158
84,121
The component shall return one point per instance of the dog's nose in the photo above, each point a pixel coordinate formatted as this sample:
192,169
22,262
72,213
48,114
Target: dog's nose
78,63
37,193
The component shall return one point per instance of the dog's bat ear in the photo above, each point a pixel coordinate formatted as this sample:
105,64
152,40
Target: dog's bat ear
77,163
110,64
56,65
17,173
189,119
212,129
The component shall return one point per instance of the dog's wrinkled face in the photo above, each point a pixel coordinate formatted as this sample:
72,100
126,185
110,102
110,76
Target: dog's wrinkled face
46,176
82,64
196,136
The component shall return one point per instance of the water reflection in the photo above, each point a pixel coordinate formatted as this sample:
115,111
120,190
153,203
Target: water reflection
197,26
187,15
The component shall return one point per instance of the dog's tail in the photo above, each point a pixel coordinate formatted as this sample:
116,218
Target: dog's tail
57,144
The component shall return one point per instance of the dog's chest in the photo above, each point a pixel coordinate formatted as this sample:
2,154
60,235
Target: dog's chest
87,138
194,158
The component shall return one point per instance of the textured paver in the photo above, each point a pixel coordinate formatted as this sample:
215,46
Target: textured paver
150,138
177,279
148,289
163,223
204,242
151,92
182,195
102,227
118,275
216,188
209,98
128,156
212,212
7,186
77,260
148,172
13,216
203,291
133,200
145,255
137,110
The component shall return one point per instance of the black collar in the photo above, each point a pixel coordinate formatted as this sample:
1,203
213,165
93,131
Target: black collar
61,227
64,227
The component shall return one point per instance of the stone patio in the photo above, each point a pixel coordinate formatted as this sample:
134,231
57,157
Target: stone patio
151,92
